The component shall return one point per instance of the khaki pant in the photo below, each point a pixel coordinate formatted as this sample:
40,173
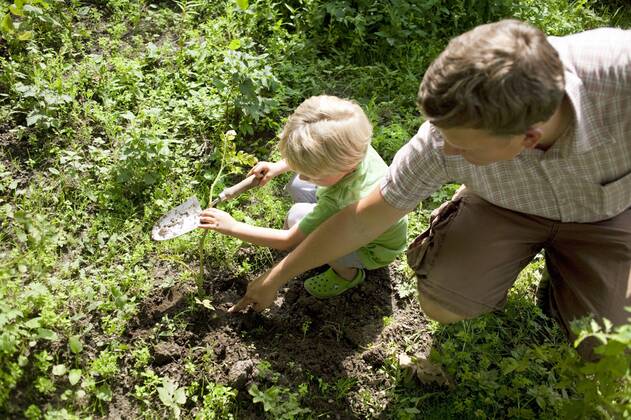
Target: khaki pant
473,251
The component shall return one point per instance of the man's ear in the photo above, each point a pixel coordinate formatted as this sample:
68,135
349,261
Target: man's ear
532,138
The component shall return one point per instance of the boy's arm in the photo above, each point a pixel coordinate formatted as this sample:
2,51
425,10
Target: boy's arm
341,234
222,222
272,238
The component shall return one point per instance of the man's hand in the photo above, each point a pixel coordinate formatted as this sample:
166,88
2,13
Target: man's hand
265,171
217,220
260,295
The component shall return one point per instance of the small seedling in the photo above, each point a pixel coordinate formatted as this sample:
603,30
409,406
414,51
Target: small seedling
305,327
172,396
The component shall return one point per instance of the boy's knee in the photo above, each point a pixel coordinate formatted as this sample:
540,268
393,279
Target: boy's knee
301,191
297,212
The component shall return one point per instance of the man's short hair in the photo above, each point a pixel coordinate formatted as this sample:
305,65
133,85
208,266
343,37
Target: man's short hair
502,77
325,135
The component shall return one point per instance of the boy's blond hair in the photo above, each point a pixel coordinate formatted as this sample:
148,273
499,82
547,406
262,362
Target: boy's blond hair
325,135
502,77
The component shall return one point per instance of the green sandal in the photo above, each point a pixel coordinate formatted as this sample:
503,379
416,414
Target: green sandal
329,283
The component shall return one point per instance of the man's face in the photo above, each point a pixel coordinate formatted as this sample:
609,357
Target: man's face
480,147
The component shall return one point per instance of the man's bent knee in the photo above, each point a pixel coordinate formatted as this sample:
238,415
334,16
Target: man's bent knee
438,312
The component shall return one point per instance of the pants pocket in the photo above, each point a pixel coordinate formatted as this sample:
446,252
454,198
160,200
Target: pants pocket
440,218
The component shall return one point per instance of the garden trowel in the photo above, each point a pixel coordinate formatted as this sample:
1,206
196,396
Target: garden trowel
185,217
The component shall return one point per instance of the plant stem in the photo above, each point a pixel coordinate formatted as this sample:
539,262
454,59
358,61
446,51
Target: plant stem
202,241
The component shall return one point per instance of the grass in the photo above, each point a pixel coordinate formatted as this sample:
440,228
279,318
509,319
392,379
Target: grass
111,112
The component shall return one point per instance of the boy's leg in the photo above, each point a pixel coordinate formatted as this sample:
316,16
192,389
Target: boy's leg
471,255
344,266
303,195
590,270
301,191
297,212
347,266
344,274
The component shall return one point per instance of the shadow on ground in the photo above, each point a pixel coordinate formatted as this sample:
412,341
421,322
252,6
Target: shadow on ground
334,347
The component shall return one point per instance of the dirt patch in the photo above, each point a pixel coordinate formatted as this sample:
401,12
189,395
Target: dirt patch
336,346
12,152
122,407
17,154
14,146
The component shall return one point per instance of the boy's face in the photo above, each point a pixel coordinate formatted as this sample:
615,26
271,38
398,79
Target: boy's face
326,180
481,147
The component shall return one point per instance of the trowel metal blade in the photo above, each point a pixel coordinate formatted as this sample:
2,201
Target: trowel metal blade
180,220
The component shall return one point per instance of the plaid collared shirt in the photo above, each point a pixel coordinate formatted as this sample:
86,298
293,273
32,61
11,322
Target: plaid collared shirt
584,177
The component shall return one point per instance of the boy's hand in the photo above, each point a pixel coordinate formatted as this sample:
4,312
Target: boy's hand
260,294
265,171
217,220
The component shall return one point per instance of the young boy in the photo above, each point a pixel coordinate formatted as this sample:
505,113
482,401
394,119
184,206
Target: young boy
326,142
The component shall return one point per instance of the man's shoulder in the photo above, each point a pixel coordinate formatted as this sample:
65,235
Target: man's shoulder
422,154
596,36
593,50
426,139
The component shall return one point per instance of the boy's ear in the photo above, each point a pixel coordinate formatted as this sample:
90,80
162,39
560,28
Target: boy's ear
532,138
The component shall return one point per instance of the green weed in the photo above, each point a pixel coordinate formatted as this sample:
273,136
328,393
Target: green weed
172,396
218,402
112,112
279,402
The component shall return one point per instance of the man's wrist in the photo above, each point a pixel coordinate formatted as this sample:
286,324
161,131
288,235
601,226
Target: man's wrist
276,277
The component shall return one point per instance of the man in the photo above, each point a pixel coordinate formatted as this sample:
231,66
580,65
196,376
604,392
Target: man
539,131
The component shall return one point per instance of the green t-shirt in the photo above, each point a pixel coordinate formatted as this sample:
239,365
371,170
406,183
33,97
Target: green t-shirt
358,184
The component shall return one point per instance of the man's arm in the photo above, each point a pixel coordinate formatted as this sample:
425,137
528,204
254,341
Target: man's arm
341,234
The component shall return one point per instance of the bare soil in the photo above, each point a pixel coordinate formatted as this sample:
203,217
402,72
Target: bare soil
304,339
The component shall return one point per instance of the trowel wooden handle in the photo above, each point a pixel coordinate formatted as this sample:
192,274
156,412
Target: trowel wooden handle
231,192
